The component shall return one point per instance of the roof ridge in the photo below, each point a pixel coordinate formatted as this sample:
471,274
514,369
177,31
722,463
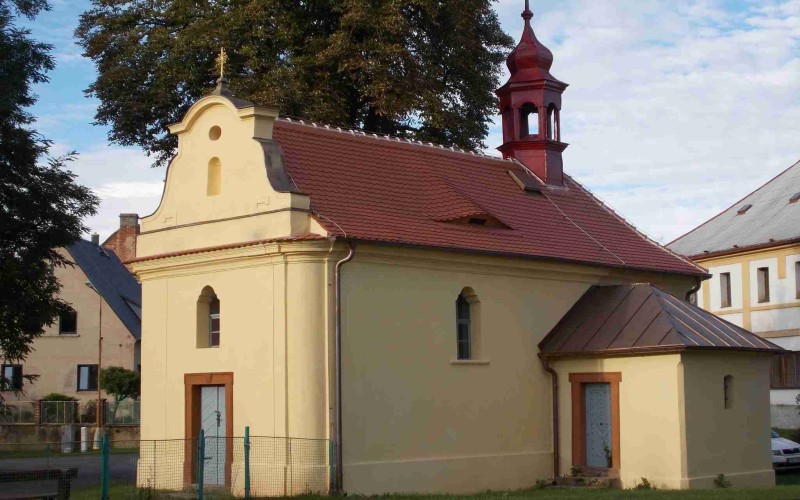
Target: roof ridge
391,138
736,202
636,230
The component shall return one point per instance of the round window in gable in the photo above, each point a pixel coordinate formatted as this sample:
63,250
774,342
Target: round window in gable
214,133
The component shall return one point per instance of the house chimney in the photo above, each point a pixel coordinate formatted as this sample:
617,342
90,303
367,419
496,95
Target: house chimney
123,241
95,239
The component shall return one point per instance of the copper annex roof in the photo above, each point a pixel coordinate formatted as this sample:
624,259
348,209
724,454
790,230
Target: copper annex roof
381,189
623,319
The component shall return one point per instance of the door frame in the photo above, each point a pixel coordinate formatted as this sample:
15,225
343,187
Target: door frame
192,383
577,381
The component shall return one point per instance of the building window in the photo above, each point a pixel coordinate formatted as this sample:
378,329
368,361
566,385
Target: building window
87,377
208,319
214,177
727,388
467,325
725,289
12,378
797,280
763,284
68,322
785,373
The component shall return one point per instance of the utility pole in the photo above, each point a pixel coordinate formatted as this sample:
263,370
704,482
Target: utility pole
98,433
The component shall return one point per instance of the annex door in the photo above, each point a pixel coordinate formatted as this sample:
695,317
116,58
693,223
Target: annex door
597,397
212,421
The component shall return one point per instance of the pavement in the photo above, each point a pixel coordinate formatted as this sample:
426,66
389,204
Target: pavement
122,468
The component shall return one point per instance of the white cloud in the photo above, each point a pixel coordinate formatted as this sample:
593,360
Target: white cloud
122,177
675,109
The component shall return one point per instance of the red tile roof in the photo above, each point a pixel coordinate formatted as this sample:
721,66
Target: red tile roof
366,187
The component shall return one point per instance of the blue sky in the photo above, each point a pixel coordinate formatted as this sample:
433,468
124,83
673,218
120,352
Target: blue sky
675,109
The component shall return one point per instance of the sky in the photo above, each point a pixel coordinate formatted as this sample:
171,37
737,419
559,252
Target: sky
676,109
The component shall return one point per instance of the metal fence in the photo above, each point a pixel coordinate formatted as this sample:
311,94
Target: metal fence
239,467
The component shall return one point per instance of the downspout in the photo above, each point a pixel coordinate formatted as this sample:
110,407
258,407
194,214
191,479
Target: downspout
556,434
694,289
338,279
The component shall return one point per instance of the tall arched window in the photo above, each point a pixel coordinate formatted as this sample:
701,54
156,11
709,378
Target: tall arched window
727,388
208,319
552,122
529,122
467,325
214,177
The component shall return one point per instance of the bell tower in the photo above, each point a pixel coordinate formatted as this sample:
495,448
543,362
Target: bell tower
530,104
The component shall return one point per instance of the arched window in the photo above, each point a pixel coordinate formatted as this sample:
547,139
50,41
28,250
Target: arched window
552,122
529,122
467,325
214,177
727,388
208,319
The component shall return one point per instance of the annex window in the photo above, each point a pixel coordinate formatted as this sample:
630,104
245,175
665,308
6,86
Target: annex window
208,319
467,325
214,177
725,289
727,389
529,123
12,378
68,322
552,123
763,284
87,377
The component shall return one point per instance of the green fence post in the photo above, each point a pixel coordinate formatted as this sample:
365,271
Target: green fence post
104,472
247,462
201,459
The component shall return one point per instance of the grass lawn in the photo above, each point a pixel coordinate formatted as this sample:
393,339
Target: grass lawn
788,489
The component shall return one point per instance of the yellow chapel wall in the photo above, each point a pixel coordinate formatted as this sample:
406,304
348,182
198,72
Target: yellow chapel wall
651,417
417,420
733,441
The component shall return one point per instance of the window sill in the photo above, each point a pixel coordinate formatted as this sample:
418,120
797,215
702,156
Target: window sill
469,362
66,335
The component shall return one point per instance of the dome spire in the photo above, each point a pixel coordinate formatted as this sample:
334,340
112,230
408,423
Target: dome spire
530,103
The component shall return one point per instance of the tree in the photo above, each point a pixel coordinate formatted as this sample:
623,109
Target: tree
41,205
121,383
421,69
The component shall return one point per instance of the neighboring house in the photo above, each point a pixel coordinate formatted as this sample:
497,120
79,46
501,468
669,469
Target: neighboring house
65,357
452,322
752,251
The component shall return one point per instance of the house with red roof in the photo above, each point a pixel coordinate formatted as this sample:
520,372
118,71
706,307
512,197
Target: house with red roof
396,316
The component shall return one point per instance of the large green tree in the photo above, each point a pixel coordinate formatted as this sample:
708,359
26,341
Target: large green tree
41,205
422,69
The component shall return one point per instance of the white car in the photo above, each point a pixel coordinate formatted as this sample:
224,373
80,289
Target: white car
785,453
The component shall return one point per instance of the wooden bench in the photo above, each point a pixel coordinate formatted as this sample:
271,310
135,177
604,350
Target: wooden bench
63,476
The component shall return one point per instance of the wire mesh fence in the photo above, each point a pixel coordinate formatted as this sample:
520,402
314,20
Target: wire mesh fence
239,467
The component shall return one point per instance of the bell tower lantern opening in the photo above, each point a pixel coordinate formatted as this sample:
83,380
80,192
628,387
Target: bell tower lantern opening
531,104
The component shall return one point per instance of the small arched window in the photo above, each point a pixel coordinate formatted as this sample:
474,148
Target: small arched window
529,120
552,123
214,177
727,388
467,325
208,319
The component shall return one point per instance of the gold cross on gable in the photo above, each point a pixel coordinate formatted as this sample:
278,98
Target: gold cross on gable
221,59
